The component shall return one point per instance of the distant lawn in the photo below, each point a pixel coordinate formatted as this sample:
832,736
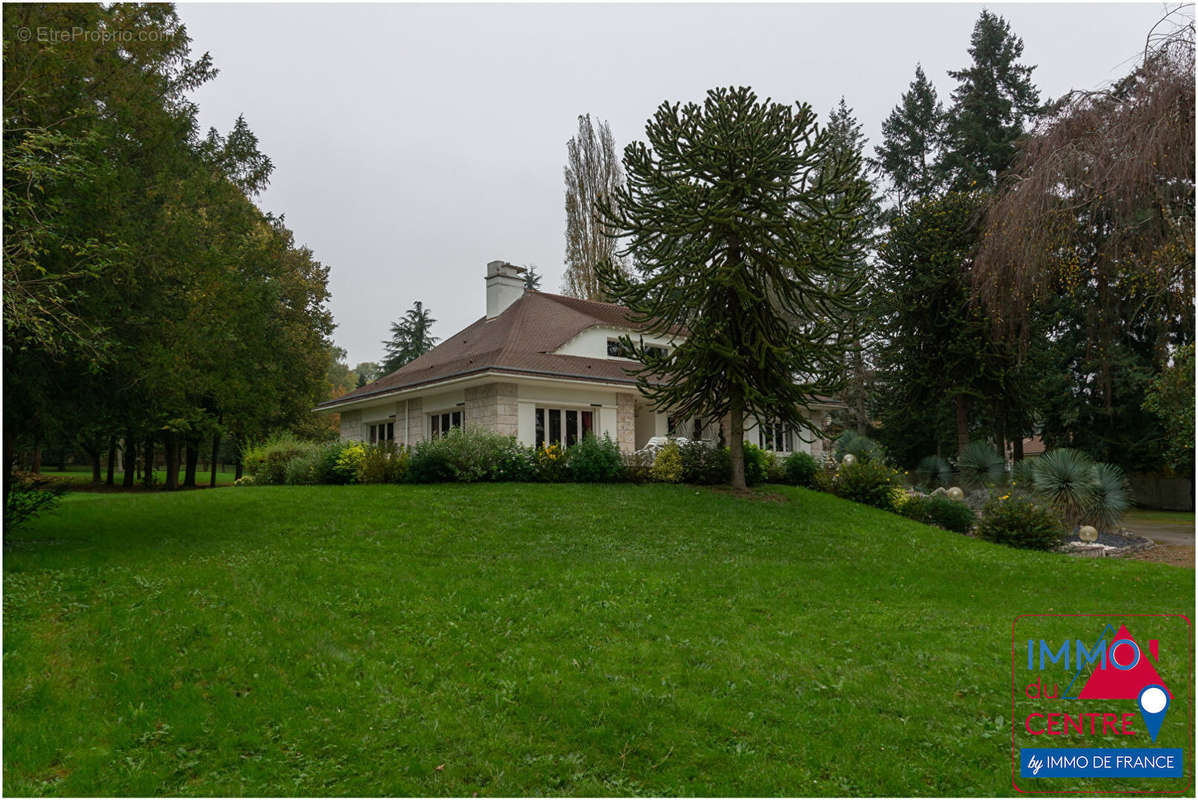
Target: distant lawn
82,475
522,639
1182,519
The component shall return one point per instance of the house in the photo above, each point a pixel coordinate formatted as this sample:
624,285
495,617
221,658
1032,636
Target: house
542,367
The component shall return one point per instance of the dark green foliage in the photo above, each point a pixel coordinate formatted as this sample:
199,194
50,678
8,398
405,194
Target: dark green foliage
28,496
469,455
993,100
736,243
1170,397
384,463
869,482
938,510
800,469
756,464
704,465
933,471
595,460
411,337
1020,522
912,141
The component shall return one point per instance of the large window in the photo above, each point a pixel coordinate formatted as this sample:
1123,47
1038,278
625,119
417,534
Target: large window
382,432
563,426
445,422
775,436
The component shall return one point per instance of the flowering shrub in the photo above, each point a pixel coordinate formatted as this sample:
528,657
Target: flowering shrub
1019,521
244,480
667,467
551,464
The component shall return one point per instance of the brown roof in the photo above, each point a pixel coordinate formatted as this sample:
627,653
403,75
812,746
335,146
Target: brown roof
520,340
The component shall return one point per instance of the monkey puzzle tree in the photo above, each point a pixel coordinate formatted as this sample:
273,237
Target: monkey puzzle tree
743,229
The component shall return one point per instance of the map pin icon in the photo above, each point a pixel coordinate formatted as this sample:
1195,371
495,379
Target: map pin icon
1154,702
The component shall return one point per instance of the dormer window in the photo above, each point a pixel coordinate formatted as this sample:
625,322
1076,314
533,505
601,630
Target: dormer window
618,349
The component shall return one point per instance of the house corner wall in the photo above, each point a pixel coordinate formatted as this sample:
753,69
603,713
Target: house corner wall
493,407
626,422
413,410
351,426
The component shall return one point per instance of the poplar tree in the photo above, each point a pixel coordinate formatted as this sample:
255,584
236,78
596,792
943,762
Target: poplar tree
593,175
743,229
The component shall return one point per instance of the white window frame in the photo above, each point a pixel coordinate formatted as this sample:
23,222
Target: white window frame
544,412
381,431
770,434
438,418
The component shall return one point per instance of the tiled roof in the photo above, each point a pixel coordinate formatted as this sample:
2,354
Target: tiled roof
520,340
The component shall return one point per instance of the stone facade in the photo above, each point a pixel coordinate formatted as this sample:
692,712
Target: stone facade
493,408
416,422
626,422
351,426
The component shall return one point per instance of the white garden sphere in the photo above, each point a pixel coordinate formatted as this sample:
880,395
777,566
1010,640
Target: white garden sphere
849,459
1088,533
955,493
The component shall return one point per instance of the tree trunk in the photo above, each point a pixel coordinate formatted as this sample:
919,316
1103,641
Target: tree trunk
97,471
962,422
237,471
111,460
9,455
193,457
736,438
148,479
1017,448
129,451
172,461
215,450
35,465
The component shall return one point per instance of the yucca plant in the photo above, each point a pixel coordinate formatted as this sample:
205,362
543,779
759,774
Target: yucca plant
1022,473
863,447
1109,497
933,471
1065,478
979,464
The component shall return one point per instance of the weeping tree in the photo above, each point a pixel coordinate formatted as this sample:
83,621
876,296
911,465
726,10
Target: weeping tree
744,228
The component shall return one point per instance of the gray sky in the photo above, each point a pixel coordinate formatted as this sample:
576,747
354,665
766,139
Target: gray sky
414,143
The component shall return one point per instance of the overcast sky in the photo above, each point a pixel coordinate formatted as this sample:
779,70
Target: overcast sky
414,143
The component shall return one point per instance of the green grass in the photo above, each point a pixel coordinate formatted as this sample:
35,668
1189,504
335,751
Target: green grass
522,639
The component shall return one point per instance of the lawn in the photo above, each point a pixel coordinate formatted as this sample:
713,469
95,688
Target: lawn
522,639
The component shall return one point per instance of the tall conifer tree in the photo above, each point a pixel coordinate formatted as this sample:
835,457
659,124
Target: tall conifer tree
912,144
742,229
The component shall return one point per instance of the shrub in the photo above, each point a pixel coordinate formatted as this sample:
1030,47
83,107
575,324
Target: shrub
869,482
773,468
515,463
267,462
1063,478
667,466
825,480
1020,522
28,496
938,510
638,465
244,480
703,464
595,460
384,463
800,469
431,463
301,470
1109,497
756,469
347,466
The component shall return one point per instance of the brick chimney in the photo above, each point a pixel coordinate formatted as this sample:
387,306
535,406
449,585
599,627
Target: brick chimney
505,285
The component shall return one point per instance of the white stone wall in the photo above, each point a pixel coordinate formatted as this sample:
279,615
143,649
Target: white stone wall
351,426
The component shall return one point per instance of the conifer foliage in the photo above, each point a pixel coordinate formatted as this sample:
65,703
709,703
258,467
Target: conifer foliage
745,236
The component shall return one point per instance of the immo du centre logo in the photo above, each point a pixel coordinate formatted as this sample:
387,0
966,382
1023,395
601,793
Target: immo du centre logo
1102,704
